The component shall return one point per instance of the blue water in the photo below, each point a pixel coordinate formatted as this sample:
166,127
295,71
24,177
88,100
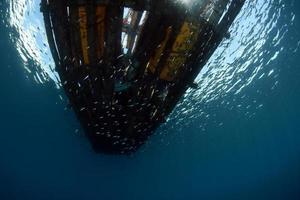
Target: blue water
236,137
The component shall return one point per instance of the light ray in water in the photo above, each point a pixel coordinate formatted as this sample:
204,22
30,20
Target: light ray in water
238,63
29,37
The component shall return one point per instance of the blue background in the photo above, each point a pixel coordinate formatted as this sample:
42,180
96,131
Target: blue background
237,137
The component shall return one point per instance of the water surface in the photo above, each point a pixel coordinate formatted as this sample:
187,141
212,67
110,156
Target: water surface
236,137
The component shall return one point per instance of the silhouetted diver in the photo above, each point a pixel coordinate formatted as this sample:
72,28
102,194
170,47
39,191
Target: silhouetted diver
124,64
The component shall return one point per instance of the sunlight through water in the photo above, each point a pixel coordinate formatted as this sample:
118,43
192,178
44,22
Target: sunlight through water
235,136
29,37
238,63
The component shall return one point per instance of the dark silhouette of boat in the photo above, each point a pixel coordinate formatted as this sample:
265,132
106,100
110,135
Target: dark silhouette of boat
124,64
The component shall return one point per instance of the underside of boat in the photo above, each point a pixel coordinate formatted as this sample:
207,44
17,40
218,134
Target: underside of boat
125,64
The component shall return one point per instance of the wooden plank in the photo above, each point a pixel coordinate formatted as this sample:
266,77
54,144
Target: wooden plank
84,34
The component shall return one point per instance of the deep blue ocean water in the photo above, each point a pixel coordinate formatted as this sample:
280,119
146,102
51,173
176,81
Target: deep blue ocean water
236,137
